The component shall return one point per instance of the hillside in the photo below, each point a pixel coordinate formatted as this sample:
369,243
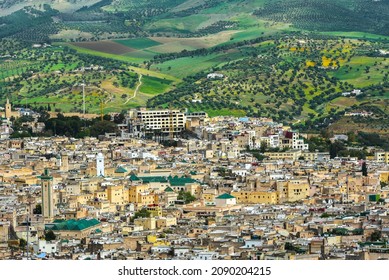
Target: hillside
293,60
291,78
78,20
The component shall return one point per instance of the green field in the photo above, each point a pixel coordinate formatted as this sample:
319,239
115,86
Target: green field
225,112
103,54
360,35
138,43
153,85
179,67
358,75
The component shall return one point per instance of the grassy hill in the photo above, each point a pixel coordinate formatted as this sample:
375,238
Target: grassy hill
287,59
78,20
291,78
330,15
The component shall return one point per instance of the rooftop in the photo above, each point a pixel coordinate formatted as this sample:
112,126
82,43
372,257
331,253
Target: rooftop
73,225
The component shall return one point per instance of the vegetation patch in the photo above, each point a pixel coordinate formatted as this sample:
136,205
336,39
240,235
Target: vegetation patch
138,43
154,85
105,46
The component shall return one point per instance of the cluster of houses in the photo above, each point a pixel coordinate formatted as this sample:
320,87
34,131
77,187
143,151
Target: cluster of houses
206,197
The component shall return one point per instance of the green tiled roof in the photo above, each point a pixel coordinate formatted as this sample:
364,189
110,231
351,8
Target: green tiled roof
169,189
73,225
174,181
133,177
180,181
154,179
120,169
225,196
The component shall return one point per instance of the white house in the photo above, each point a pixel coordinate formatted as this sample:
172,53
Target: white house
47,247
214,75
225,200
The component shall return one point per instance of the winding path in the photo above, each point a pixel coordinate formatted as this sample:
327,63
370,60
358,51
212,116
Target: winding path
136,90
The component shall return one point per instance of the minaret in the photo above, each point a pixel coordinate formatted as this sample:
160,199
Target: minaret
58,161
65,162
8,109
100,164
47,195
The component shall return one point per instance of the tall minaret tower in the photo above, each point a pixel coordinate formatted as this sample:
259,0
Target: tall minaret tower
8,109
100,164
65,162
47,195
58,161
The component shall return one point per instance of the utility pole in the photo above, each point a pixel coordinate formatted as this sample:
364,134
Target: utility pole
83,98
101,109
28,223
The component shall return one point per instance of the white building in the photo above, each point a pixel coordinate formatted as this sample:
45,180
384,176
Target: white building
298,143
215,75
100,164
47,247
157,122
206,256
225,200
381,157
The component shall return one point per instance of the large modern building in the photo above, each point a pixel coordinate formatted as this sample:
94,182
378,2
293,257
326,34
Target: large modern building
154,123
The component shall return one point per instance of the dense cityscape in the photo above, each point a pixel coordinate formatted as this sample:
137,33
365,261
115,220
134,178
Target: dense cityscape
239,132
179,185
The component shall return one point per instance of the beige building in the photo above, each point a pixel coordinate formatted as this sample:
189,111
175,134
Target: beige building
254,197
141,195
116,196
146,223
288,155
8,113
163,222
4,231
382,157
293,190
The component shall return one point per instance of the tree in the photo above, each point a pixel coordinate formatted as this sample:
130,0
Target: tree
50,235
102,127
143,213
22,243
375,236
43,116
364,169
37,209
186,196
119,118
335,148
263,147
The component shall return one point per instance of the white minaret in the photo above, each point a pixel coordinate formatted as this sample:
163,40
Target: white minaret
100,164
